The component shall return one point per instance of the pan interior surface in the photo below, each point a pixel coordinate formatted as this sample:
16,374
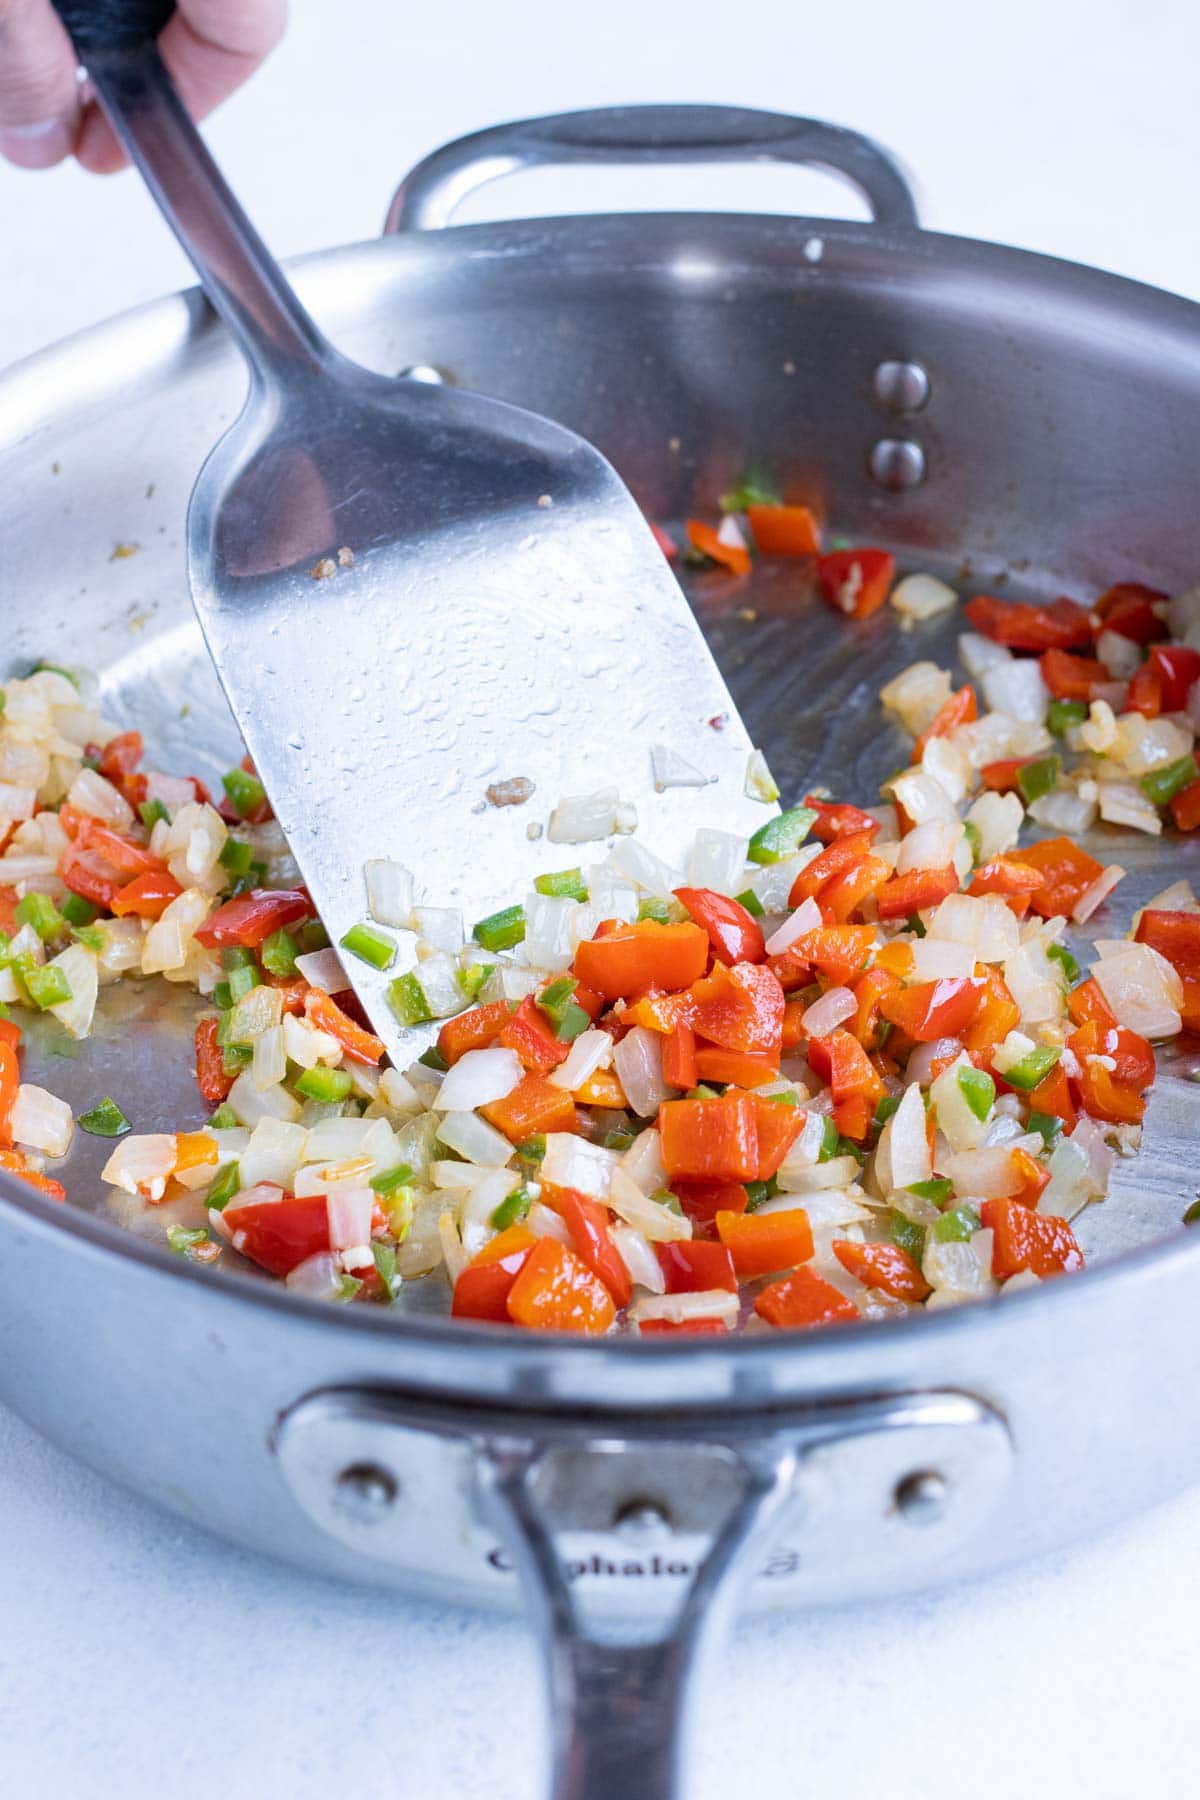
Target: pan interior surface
1062,418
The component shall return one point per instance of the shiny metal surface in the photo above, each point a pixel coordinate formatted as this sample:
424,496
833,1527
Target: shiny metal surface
1060,433
410,593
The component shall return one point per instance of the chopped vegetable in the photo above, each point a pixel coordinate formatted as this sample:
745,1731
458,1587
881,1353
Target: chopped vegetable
104,1120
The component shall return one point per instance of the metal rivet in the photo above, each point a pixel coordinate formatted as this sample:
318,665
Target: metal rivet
901,387
921,1497
897,464
365,1491
642,1518
423,372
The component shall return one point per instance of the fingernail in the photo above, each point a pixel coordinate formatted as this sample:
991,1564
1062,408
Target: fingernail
37,146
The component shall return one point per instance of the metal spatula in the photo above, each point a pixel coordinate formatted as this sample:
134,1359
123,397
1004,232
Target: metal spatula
413,594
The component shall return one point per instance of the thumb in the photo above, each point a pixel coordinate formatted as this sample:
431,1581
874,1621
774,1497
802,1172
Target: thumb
39,98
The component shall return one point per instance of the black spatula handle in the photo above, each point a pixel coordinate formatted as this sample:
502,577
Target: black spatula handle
112,24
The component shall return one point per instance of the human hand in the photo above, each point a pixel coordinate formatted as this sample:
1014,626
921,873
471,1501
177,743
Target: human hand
209,46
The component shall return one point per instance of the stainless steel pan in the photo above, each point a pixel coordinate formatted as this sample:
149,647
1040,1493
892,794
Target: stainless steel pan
975,407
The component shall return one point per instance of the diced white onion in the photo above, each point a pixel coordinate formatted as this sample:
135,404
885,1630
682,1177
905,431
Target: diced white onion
390,893
323,969
836,1005
978,654
478,1078
660,1223
903,1151
1097,892
592,1050
711,1303
318,1277
670,770
582,818
922,596
273,1153
92,794
83,978
717,860
572,1162
140,1164
474,1139
249,1105
637,1254
1143,990
929,846
807,917
1120,655
350,1212
639,1066
1017,688
917,695
998,819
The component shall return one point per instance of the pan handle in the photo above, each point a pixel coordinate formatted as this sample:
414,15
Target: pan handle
432,192
619,1697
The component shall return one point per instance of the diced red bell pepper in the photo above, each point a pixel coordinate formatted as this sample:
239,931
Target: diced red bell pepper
734,1066
857,582
1103,1098
869,991
1189,1009
802,1300
883,1266
839,952
357,1043
1175,935
912,892
1068,871
934,1009
1145,694
1178,667
1052,1096
793,1022
530,1033
1033,1176
588,1222
10,1081
1132,1055
1087,1002
89,875
778,1126
121,756
10,1033
703,1200
837,816
556,1291
1025,1239
704,538
1128,608
1185,807
1063,625
997,1014
602,1088
761,1243
13,1163
9,899
633,958
960,709
710,1140
841,854
534,1105
682,1328
483,1287
841,1060
146,896
1012,880
1071,677
735,935
477,1029
679,1057
213,1082
1002,777
739,1008
693,1267
280,1234
250,919
784,530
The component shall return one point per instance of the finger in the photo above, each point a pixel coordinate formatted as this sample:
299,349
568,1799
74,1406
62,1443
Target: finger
39,101
210,47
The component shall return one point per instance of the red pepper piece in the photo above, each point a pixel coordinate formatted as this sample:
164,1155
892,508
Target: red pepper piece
251,918
679,1057
146,896
761,1243
556,1291
477,1029
934,1009
1145,694
530,1033
802,1300
841,1060
683,1328
960,709
588,1221
324,1012
692,1267
1175,935
211,1078
1024,1239
535,1105
1068,870
704,538
1178,667
703,1200
13,1163
784,530
883,1266
280,1234
1072,677
1129,608
710,1140
914,891
1063,625
735,935
739,1008
847,849
857,582
630,959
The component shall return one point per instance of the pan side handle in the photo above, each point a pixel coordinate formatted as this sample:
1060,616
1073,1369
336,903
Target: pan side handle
431,193
619,1696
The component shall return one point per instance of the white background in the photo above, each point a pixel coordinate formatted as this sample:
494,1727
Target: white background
137,1658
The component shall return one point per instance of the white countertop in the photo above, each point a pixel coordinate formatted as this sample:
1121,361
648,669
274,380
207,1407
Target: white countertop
137,1657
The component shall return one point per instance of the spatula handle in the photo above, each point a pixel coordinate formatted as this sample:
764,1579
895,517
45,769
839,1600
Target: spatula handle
112,24
115,40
